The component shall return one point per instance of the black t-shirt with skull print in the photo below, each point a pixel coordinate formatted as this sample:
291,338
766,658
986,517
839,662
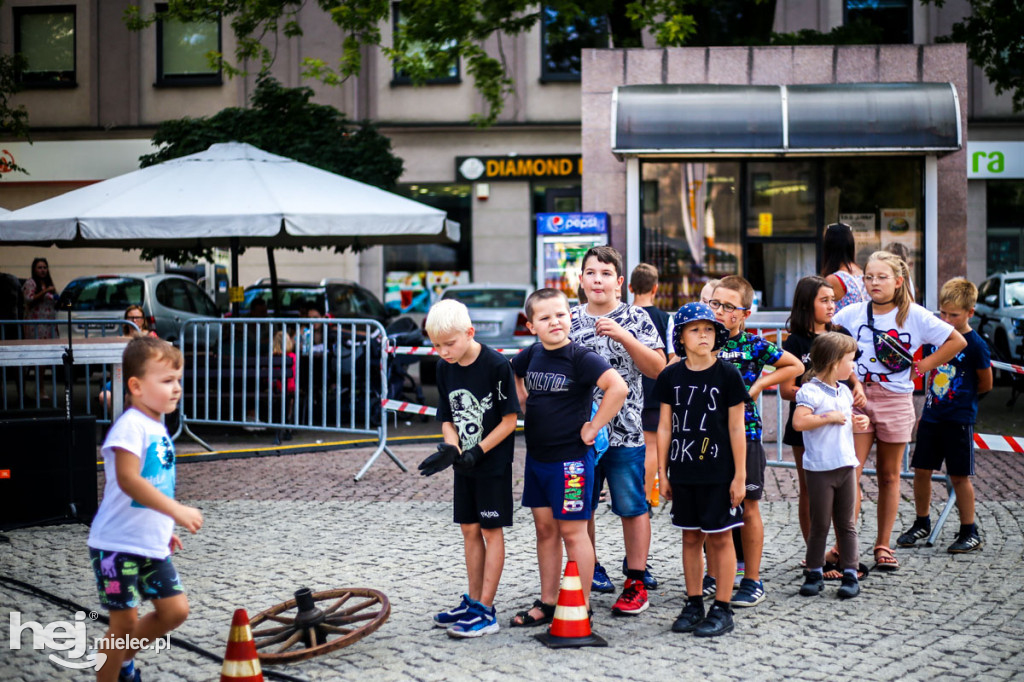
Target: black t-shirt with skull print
474,399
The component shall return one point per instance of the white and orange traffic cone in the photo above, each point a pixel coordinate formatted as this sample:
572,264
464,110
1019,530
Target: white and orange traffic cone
571,625
241,664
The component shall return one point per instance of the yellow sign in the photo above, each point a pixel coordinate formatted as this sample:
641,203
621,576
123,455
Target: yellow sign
499,168
236,294
764,224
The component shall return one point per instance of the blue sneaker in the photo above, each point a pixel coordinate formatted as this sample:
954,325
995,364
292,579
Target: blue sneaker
129,674
448,618
751,593
601,581
650,582
479,621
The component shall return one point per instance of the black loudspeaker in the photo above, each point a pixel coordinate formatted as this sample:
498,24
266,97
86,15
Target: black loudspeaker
43,477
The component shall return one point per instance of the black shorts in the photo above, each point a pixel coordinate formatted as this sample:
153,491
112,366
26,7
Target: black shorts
953,443
124,580
650,418
486,500
756,464
705,508
792,437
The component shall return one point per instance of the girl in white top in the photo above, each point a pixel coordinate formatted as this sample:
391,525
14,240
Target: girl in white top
824,412
889,329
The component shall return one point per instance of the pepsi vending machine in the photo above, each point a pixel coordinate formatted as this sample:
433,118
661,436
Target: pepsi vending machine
562,241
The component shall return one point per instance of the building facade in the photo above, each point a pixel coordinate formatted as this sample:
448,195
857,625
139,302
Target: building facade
95,92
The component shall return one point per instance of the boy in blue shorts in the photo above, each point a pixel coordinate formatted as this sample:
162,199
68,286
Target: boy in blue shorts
625,336
132,536
477,406
946,431
701,460
555,380
750,354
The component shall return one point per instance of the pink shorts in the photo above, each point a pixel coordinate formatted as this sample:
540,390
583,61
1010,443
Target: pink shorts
892,415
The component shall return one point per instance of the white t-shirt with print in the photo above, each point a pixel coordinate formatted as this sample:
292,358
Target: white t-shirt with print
627,428
122,524
920,328
828,447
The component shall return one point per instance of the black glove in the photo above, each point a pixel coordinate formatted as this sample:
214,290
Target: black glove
440,460
469,458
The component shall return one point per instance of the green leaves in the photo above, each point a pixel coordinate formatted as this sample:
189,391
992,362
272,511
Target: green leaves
282,121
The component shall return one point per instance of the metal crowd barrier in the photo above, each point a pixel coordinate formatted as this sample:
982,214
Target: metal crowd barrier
286,375
27,387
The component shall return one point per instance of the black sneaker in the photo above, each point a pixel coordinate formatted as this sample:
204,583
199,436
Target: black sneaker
717,622
850,587
689,618
709,587
650,582
918,531
814,583
966,543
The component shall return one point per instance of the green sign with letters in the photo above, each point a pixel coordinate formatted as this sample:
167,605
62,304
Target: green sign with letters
995,160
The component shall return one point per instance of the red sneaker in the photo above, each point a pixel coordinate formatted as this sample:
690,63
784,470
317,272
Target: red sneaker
633,599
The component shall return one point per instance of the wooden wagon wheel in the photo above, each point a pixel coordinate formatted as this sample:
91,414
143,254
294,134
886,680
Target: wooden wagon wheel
308,625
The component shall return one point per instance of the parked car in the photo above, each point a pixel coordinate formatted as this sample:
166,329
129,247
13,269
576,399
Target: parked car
338,298
496,311
167,301
999,314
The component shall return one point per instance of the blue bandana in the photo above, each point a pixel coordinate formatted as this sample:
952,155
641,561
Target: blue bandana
691,312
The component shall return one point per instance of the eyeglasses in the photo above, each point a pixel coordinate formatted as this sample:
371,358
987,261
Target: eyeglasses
727,307
881,279
134,317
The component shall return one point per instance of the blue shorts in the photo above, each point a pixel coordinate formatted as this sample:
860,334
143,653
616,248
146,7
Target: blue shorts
124,580
623,468
566,487
938,441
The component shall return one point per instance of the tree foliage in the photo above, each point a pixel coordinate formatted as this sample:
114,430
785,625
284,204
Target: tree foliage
992,33
281,121
432,33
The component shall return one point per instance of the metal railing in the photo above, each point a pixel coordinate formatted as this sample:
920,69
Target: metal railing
286,375
41,387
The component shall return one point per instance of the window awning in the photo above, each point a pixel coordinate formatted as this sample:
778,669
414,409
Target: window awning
853,118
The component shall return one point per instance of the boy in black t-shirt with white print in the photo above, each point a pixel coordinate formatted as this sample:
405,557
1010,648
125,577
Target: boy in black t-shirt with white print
477,409
702,458
555,380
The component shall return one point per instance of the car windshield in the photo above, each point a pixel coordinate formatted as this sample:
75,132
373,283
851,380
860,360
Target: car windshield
345,300
1014,292
292,299
104,293
489,298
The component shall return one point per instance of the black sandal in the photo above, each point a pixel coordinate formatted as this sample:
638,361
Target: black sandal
528,621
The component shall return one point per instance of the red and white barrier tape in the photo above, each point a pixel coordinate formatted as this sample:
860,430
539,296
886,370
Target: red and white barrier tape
430,350
986,441
1017,369
401,406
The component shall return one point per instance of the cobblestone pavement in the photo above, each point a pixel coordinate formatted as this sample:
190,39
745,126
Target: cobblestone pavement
280,523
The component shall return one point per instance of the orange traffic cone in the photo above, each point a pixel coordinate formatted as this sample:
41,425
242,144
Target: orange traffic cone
241,664
571,625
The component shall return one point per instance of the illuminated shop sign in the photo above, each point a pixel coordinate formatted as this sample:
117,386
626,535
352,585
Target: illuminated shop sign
507,168
995,160
572,223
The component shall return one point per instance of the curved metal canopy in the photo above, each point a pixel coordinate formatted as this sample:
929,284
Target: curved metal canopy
826,119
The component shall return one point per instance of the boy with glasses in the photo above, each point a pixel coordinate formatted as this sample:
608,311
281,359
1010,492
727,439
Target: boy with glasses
750,354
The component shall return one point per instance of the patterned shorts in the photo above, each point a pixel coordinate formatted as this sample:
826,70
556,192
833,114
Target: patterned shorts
124,580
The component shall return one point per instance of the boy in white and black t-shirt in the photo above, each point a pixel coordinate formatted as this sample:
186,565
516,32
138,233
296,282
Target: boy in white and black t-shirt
132,536
625,336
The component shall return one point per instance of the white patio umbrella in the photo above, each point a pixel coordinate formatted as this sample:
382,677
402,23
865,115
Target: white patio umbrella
232,191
